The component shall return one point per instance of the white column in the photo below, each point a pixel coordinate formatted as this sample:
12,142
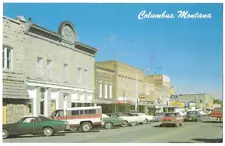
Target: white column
106,91
57,100
46,102
110,91
34,103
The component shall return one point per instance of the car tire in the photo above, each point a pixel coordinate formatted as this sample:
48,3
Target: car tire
5,134
133,123
86,127
145,121
48,131
108,125
125,124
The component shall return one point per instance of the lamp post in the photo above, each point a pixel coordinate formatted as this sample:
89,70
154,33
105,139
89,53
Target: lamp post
136,101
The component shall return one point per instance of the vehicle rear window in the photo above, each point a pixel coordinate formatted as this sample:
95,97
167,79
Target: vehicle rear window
170,114
192,112
44,118
218,109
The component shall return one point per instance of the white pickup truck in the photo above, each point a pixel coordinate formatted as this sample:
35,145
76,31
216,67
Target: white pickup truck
128,120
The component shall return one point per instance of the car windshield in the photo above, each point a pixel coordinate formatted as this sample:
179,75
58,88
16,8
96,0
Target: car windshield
218,109
170,114
192,113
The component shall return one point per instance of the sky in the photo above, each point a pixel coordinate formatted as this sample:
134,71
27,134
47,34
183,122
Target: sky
189,51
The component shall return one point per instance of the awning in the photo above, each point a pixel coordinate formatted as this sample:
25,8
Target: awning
124,102
103,102
14,86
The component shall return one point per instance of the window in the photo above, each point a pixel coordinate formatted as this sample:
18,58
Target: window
79,73
86,112
92,111
49,69
85,76
106,91
75,112
39,67
65,72
81,112
110,91
100,90
6,57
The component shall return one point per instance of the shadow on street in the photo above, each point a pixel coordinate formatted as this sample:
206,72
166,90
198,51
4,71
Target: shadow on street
218,140
33,136
212,122
179,142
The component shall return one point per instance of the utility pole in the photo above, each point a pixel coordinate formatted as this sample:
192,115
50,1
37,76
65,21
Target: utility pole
136,102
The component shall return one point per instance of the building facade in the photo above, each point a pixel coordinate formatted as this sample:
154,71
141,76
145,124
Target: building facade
129,85
201,101
15,96
58,69
105,89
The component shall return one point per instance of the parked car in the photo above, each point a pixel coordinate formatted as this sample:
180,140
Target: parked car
36,125
143,117
110,122
84,118
172,118
217,114
193,116
157,117
127,120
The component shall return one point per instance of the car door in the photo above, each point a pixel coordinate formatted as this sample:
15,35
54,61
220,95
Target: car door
37,124
26,126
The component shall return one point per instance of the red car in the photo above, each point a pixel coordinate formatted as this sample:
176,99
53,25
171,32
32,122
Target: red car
217,113
172,118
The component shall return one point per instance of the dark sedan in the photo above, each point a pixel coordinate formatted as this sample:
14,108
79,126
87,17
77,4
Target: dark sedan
193,116
36,125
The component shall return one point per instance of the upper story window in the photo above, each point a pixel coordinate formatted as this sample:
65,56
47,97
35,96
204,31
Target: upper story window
39,66
6,57
85,76
49,69
65,72
100,90
79,73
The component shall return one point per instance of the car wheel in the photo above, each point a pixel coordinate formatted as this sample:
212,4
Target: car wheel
86,127
48,131
108,125
125,124
145,121
5,134
160,125
133,123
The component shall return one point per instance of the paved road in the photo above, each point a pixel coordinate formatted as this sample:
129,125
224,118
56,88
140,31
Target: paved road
149,133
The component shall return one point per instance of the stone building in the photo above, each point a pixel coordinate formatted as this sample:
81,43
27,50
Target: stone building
58,69
105,88
15,96
128,84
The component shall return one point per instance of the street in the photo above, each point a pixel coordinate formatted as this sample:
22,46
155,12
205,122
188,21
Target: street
191,132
